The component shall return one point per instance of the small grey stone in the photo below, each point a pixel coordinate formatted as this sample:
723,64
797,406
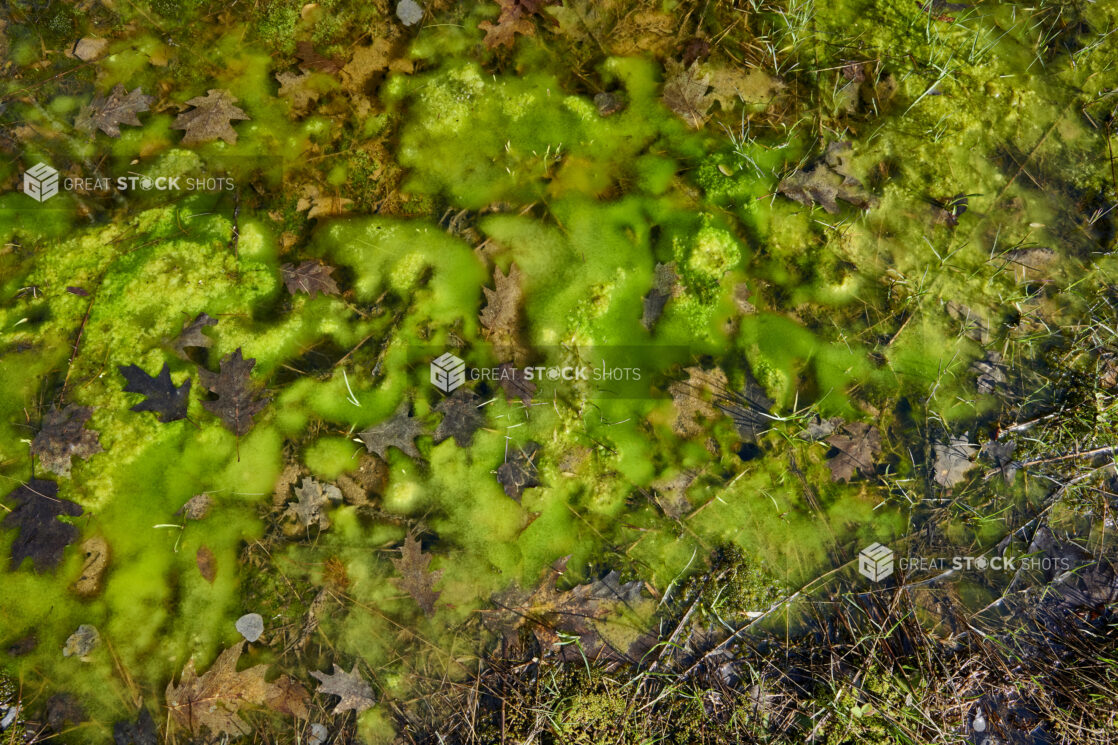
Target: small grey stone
318,735
409,12
251,626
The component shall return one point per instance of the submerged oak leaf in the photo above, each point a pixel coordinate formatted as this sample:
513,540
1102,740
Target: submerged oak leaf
858,445
581,611
238,401
416,579
515,384
63,435
827,180
107,113
214,700
42,536
519,471
163,398
953,459
312,499
501,315
685,93
515,20
210,119
355,693
309,277
462,416
192,335
399,432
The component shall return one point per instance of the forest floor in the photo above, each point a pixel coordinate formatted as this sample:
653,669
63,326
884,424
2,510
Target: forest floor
583,371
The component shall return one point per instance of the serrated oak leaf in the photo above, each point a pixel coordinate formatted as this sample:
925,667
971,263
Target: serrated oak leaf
415,578
42,537
858,445
400,432
355,693
192,335
461,417
163,398
238,401
519,470
310,277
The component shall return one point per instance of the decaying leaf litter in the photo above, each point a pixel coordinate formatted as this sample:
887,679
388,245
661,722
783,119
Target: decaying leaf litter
888,276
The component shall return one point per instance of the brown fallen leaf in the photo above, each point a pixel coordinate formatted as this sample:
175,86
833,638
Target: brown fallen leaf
501,315
858,445
827,180
90,48
63,436
192,335
310,59
107,113
309,277
215,699
295,89
355,693
238,401
210,119
313,497
750,85
685,93
196,508
953,459
365,63
514,20
96,550
207,563
399,432
416,579
318,204
519,471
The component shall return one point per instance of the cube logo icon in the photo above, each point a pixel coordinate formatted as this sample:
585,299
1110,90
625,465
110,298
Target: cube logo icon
875,562
448,372
40,182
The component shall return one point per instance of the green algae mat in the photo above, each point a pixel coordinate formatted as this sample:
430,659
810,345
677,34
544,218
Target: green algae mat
349,351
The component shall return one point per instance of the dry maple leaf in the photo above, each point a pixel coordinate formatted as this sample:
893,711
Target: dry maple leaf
107,113
399,432
685,93
351,688
210,119
858,445
42,536
63,436
309,277
415,578
214,700
237,401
